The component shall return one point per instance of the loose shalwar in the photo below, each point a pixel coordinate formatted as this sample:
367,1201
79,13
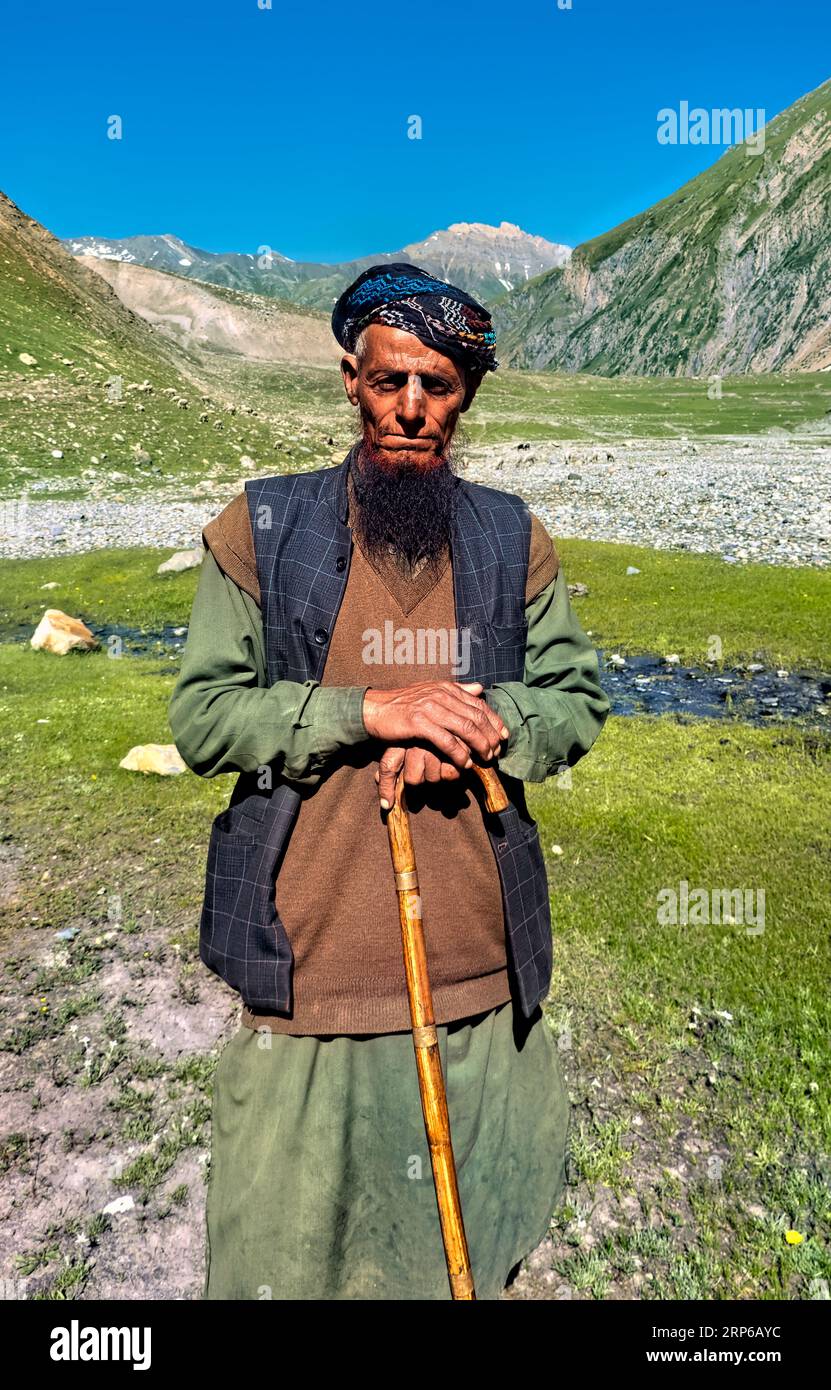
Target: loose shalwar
321,1185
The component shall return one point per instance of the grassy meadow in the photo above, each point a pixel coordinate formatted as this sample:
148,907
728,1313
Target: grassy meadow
696,1056
168,440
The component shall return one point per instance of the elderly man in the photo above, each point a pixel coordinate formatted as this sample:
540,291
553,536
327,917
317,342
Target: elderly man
381,619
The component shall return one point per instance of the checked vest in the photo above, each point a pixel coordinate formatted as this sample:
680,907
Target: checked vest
303,549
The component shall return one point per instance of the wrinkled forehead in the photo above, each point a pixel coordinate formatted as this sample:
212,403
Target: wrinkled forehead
393,349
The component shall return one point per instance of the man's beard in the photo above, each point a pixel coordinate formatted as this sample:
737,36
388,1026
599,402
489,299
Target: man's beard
404,505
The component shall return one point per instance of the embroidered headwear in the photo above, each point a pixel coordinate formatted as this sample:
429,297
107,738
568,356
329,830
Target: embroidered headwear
439,314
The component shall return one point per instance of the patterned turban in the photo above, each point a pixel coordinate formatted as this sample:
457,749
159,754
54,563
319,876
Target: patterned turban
439,314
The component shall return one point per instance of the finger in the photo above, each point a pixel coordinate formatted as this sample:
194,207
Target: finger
437,768
495,720
453,749
389,765
454,726
432,766
414,766
480,709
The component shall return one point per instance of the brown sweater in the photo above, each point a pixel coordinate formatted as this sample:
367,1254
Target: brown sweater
334,892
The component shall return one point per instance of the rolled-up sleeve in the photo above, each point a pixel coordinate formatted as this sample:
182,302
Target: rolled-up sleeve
555,714
224,715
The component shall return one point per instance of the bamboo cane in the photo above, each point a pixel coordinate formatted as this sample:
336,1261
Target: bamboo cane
425,1038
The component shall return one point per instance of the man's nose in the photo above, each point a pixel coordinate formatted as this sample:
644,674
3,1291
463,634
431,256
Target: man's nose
411,400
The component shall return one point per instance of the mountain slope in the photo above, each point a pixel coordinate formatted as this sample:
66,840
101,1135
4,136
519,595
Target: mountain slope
486,261
202,318
89,392
730,274
53,306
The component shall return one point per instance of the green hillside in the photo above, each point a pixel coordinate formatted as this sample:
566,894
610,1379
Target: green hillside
731,273
90,391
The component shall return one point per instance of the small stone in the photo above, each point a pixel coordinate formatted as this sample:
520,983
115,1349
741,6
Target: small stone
182,560
27,359
119,1206
58,633
161,758
632,569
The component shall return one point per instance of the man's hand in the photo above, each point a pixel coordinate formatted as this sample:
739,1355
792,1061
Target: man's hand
419,765
452,717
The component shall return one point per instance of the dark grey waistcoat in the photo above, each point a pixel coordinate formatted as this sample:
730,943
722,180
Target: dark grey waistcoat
303,548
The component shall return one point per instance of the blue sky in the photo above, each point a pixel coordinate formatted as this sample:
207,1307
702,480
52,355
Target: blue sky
287,127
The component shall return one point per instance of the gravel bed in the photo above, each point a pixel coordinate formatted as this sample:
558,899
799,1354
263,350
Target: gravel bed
744,499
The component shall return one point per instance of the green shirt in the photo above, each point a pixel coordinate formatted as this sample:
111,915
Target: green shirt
226,718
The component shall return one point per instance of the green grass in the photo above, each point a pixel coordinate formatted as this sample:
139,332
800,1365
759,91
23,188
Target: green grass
714,1037
681,602
98,439
697,1055
716,804
100,586
515,405
194,421
678,602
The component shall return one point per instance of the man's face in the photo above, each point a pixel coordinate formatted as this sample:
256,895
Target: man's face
410,397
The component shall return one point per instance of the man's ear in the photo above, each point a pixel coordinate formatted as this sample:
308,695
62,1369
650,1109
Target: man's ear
349,372
474,381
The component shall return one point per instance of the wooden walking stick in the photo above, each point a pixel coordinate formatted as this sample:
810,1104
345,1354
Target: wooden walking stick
425,1039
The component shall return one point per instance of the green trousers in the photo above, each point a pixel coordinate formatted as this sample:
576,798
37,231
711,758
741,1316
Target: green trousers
321,1185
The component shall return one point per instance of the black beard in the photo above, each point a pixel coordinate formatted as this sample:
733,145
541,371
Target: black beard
407,507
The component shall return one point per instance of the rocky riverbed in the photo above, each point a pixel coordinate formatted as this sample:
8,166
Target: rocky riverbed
756,499
762,498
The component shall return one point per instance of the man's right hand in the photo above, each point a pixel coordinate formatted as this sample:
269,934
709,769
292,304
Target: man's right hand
452,717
